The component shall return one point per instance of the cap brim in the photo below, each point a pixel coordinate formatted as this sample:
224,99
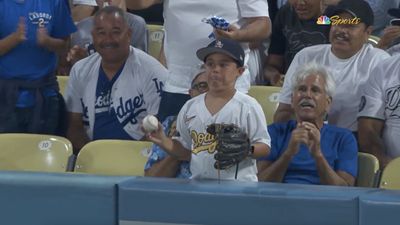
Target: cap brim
204,52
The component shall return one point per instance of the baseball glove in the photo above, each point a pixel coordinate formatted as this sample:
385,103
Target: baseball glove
233,145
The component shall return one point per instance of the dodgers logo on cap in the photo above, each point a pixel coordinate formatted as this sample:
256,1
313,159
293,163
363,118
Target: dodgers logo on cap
225,46
218,44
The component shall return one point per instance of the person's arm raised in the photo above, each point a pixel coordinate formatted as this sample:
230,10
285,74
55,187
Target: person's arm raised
255,29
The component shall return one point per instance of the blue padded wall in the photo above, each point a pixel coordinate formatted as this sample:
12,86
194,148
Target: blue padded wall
381,207
210,202
79,199
57,199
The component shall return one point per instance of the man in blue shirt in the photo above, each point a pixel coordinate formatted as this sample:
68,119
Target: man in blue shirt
31,34
307,150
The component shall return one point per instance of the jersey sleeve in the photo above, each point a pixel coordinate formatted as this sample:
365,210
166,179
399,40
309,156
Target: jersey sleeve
258,125
372,102
74,92
347,155
153,87
253,8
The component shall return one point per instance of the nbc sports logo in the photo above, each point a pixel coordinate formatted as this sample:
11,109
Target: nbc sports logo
323,20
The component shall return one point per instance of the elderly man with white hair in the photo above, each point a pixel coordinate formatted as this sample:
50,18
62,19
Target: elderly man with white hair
307,150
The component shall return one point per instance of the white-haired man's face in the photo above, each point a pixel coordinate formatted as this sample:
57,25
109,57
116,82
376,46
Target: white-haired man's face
310,101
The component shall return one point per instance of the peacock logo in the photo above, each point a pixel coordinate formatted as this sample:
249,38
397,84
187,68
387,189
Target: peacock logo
323,20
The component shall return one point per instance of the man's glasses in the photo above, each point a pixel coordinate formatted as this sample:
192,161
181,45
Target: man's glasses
201,86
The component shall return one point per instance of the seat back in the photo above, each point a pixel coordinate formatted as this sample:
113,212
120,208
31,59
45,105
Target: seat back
113,157
267,96
62,83
390,178
368,165
155,39
34,152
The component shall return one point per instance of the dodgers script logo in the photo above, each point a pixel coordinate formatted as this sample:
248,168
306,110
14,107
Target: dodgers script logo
392,102
203,142
103,102
41,19
127,111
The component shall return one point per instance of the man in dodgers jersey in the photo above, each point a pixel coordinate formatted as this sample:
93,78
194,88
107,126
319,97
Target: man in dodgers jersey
185,33
111,91
379,116
348,57
224,60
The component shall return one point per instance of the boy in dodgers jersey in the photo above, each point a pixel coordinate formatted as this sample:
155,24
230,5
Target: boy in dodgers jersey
224,60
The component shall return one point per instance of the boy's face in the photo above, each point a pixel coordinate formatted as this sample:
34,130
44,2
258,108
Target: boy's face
222,71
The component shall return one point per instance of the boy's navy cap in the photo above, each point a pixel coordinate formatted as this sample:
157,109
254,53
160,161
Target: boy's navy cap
356,8
395,12
226,46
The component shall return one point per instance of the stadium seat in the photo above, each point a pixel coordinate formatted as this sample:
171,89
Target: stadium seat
62,83
368,165
373,40
267,96
113,157
390,178
34,152
155,38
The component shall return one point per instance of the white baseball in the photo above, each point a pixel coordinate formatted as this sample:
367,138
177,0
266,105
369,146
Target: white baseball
150,123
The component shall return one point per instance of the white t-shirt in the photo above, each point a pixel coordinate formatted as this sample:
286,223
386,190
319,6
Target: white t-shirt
192,123
349,75
84,2
185,34
381,100
135,94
